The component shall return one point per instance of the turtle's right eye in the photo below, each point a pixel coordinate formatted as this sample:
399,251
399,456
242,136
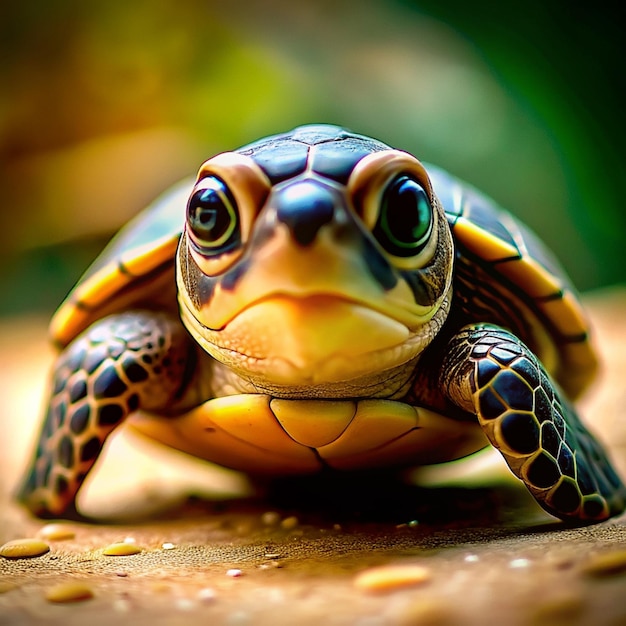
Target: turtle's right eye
213,218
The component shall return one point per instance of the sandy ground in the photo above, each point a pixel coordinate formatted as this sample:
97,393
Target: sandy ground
214,553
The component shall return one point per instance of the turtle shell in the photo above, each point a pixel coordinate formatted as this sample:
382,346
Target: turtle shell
135,268
503,272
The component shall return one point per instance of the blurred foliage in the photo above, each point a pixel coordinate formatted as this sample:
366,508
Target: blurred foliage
104,104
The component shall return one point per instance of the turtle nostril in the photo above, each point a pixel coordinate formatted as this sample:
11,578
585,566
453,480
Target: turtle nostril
305,207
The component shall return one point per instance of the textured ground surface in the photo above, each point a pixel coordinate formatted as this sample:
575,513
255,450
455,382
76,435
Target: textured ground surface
490,554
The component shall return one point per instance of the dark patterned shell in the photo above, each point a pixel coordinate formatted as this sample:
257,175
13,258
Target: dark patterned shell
516,262
136,267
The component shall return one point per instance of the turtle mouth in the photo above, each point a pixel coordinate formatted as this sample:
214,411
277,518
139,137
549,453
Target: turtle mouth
311,340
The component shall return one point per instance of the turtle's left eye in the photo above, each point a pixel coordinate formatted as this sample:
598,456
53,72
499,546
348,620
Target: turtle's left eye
405,220
212,218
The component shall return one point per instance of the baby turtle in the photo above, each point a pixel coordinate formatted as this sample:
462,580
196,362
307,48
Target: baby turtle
318,301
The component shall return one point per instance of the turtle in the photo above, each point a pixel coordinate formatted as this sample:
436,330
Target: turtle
320,302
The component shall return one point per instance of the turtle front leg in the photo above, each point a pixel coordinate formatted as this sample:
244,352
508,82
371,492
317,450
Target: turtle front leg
489,372
123,362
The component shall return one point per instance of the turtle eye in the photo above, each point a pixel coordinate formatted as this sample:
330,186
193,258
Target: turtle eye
405,219
212,218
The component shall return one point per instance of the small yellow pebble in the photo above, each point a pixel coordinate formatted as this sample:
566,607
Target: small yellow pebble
24,548
391,577
121,605
270,518
56,532
605,564
121,548
69,592
289,523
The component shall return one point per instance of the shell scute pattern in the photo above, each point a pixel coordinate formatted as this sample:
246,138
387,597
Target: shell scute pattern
480,212
525,278
464,204
280,160
496,237
336,160
331,153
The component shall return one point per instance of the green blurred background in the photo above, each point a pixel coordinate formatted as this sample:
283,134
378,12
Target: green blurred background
103,104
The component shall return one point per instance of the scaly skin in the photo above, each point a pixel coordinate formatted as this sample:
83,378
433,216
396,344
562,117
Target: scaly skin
137,359
490,373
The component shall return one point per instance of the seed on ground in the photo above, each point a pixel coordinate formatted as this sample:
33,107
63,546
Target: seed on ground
391,577
69,592
185,604
605,564
270,518
24,548
121,548
206,594
57,532
289,523
234,573
121,605
168,545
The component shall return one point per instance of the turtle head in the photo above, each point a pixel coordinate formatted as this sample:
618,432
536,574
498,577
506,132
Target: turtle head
316,263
